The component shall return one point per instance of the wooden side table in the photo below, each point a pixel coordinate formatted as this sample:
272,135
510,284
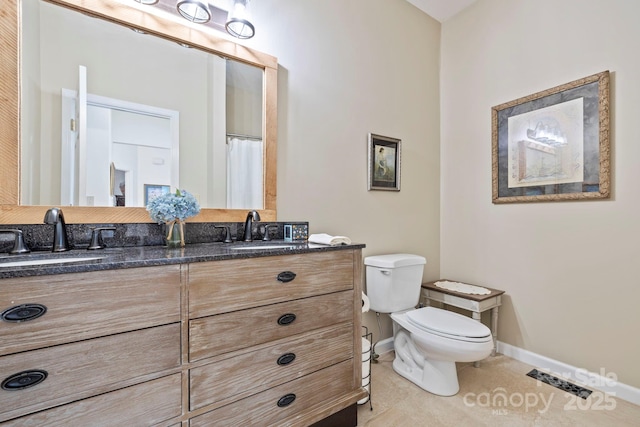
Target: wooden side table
472,302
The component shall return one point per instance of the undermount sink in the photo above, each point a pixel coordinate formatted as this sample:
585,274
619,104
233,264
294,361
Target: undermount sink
258,247
47,261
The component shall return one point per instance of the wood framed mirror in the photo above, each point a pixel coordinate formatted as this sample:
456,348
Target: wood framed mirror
11,209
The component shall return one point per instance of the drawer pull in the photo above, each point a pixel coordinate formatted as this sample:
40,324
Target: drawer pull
286,400
23,313
286,276
286,319
286,358
24,379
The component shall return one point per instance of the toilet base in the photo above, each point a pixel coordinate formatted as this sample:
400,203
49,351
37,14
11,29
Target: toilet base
440,380
429,359
435,376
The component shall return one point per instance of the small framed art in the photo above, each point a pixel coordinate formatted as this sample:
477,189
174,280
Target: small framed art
152,191
384,163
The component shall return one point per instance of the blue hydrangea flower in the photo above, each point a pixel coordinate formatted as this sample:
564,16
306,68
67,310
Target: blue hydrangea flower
173,206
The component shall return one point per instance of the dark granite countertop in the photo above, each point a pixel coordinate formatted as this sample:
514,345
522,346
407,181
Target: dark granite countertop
141,256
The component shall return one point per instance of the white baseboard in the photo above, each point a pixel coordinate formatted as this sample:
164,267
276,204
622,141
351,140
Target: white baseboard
570,373
607,383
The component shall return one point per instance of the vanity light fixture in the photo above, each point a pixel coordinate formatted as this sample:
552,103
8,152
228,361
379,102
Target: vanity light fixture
238,24
196,11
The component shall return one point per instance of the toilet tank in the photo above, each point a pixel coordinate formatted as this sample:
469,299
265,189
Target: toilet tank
394,281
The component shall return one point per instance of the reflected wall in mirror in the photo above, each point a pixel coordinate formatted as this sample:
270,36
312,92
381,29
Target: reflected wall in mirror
150,74
247,84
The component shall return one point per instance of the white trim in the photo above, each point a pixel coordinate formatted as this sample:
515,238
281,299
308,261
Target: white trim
579,376
68,166
573,374
73,168
131,107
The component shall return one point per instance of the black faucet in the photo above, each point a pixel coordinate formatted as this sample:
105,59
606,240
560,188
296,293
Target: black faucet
248,225
55,217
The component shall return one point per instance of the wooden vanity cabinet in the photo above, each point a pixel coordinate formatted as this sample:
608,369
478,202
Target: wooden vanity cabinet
255,341
87,305
108,345
274,340
151,403
289,404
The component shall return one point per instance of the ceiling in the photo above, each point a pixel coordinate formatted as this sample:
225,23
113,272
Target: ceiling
441,9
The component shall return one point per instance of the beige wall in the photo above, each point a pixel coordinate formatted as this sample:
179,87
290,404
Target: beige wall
352,67
347,68
570,269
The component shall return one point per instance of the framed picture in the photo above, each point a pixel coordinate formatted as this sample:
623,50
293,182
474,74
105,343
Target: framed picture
152,191
384,163
553,145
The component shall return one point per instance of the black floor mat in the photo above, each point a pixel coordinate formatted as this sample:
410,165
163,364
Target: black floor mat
559,383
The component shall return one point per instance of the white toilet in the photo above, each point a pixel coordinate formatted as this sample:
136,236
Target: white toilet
427,341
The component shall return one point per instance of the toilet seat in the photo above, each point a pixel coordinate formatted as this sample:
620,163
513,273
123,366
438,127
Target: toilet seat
448,324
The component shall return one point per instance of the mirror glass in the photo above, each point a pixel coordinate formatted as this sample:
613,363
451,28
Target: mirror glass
113,117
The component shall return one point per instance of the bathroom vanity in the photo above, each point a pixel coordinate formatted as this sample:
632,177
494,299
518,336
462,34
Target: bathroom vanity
212,334
206,335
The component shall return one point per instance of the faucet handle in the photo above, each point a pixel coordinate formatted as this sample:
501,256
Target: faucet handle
227,233
266,237
96,237
19,247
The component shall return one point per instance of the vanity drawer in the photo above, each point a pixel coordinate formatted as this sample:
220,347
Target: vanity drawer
223,286
144,404
250,373
86,368
263,410
224,333
87,305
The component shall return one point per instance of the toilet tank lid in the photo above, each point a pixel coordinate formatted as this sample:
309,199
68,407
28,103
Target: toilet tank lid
394,260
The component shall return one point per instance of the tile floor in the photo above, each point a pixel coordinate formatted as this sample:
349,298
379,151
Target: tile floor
498,393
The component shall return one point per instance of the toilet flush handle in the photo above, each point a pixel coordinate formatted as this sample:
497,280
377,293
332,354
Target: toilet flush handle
385,272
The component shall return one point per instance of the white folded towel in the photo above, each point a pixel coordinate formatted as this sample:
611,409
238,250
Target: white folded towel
463,288
326,239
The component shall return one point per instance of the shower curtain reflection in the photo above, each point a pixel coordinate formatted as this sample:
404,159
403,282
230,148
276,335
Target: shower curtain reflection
244,173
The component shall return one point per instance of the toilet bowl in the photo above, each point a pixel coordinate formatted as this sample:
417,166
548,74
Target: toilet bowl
427,341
